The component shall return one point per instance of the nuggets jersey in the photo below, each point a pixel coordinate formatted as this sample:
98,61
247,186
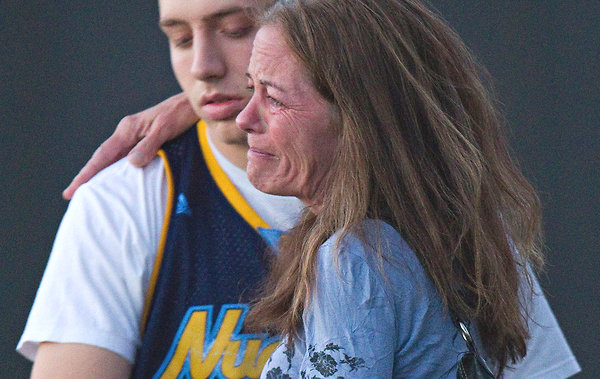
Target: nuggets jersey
209,262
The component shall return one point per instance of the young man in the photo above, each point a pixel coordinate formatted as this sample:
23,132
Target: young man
149,264
152,268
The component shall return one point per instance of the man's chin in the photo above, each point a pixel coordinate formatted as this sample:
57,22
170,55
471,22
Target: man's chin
226,131
240,140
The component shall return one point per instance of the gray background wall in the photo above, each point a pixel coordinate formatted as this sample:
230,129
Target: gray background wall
69,70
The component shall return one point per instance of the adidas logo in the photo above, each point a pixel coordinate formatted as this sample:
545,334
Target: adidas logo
183,206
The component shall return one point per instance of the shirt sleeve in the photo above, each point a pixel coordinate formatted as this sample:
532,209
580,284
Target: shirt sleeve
93,288
367,322
350,321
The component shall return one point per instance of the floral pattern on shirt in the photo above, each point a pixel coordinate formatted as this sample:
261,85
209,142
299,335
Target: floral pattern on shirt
326,362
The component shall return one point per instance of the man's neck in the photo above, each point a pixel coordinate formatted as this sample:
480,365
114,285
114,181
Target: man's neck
235,152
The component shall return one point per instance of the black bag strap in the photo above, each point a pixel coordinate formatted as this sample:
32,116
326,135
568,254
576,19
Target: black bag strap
471,365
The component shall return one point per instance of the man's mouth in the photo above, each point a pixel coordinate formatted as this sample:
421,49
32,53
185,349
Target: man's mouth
221,107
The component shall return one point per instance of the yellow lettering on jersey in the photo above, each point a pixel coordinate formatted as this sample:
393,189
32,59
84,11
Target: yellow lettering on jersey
252,364
188,355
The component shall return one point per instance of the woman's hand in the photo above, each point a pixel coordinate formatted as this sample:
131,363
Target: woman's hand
138,136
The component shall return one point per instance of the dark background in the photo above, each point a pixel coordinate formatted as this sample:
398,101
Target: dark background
69,70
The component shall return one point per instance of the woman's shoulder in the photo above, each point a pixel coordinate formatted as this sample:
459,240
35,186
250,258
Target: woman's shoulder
375,247
372,284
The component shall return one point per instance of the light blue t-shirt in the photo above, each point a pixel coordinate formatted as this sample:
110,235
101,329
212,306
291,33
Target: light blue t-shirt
362,324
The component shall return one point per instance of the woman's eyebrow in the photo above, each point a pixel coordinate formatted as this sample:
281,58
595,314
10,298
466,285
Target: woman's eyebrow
266,83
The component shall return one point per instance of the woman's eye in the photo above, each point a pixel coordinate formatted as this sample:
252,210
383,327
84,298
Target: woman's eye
250,88
274,101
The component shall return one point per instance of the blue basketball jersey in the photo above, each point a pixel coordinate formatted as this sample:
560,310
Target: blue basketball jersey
210,259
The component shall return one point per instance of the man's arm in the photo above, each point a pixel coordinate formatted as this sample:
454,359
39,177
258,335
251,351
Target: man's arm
84,361
140,136
93,289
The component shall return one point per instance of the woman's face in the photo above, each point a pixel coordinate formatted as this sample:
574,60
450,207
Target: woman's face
292,130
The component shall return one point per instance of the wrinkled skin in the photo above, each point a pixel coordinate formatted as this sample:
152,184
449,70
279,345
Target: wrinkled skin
292,130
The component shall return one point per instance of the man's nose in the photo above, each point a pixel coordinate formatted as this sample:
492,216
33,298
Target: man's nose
208,62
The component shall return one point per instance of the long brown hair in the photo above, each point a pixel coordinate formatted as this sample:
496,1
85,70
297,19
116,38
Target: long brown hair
421,147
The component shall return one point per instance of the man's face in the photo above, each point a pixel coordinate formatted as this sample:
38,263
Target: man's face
210,43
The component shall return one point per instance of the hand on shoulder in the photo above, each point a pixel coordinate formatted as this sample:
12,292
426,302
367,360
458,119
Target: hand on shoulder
138,136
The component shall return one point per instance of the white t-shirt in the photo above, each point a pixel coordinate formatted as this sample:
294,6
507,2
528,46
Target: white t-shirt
95,283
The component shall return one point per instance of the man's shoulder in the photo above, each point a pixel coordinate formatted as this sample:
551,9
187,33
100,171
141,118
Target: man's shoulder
122,177
180,145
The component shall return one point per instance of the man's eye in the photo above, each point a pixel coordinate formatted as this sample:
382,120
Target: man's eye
182,42
239,32
250,88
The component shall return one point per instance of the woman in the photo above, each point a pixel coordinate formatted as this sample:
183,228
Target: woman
373,113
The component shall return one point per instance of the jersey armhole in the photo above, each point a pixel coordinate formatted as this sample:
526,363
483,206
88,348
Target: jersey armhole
162,242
